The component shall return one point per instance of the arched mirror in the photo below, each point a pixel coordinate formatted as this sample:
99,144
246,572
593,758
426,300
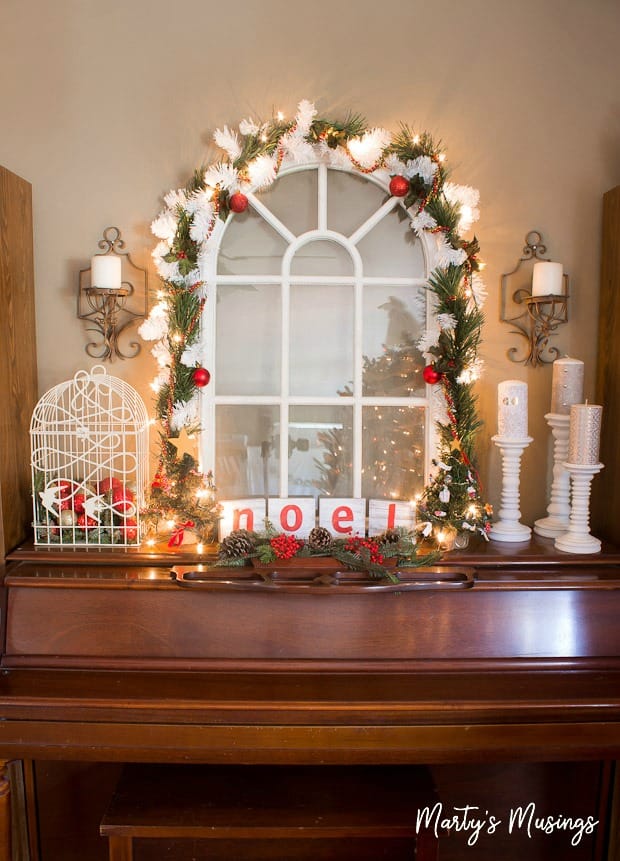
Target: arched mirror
319,300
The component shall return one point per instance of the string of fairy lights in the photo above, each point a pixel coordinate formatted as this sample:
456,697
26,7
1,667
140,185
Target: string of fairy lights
412,166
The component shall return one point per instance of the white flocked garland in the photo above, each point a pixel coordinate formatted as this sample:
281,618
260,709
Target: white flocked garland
413,167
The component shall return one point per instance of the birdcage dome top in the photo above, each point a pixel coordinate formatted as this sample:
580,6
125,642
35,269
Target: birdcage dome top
93,398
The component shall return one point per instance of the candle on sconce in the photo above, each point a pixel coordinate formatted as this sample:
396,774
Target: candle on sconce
566,385
548,279
105,272
512,410
584,436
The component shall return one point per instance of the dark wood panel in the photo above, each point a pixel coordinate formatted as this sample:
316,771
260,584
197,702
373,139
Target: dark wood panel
606,487
50,626
531,693
311,744
18,368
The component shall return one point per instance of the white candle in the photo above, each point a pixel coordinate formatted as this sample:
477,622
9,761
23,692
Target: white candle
105,272
548,279
566,385
584,435
512,409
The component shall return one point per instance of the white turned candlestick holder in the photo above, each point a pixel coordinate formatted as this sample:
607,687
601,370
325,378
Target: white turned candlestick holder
558,510
578,538
508,527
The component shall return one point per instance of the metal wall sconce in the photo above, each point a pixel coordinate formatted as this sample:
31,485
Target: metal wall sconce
108,301
545,309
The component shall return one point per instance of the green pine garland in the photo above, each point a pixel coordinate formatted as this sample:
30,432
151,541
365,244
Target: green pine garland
453,496
454,492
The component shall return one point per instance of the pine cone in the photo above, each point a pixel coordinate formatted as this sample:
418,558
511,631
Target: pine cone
390,536
237,544
319,538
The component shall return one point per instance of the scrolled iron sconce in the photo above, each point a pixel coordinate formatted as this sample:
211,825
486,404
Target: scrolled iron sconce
108,301
545,301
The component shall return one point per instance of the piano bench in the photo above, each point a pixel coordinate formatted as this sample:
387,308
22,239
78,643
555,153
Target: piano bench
247,813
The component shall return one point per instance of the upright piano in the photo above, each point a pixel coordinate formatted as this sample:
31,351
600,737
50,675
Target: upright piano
498,655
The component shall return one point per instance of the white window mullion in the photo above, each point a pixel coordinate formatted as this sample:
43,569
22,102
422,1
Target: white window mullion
373,220
270,218
388,281
285,372
208,323
322,197
357,384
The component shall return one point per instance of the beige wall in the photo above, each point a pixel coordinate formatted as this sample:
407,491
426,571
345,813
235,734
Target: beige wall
105,106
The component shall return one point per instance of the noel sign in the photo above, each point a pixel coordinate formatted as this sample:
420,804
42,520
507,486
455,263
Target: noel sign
297,516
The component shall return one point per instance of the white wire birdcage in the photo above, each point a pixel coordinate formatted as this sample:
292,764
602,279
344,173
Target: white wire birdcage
89,456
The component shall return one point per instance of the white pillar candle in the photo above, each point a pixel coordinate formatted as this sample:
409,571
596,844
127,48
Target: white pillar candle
566,385
547,279
512,410
584,436
105,272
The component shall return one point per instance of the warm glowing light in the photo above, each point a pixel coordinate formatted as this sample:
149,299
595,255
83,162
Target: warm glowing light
263,137
161,294
472,510
280,116
176,338
200,548
150,542
154,386
170,524
416,139
481,265
442,156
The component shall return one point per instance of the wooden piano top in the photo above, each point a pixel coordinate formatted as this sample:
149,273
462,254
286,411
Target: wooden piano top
111,658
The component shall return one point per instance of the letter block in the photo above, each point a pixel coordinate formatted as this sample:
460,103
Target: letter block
295,516
343,516
387,514
242,514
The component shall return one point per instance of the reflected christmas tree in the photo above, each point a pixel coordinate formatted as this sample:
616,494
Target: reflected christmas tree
393,436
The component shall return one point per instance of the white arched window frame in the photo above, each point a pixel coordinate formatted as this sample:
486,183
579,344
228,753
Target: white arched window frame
432,403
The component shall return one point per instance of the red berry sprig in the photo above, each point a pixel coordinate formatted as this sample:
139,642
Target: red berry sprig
285,546
356,544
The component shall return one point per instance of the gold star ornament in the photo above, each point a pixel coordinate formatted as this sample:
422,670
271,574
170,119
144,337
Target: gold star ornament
185,444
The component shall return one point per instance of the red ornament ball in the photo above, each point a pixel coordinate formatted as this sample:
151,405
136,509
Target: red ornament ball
201,377
431,375
238,202
399,186
108,484
64,488
122,500
129,529
84,522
